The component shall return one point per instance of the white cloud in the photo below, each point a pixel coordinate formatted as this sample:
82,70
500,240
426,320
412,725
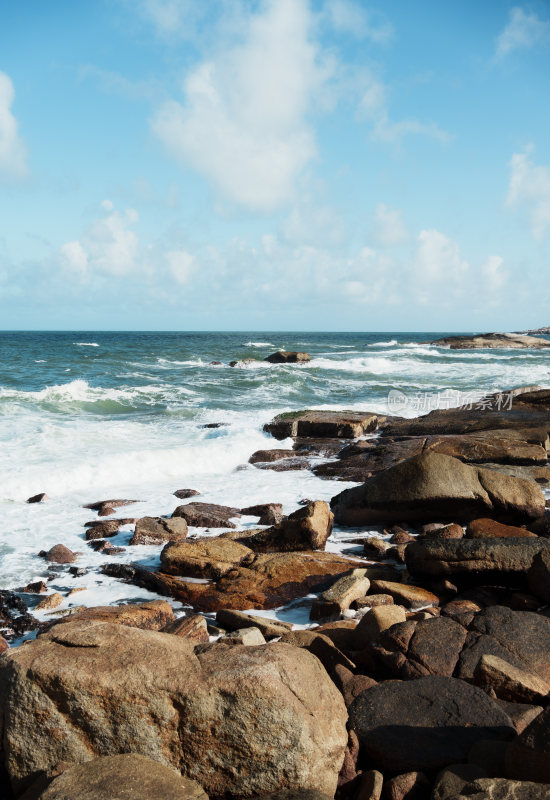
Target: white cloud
172,17
492,272
388,229
530,187
243,123
109,246
524,30
181,265
374,107
352,18
12,150
438,258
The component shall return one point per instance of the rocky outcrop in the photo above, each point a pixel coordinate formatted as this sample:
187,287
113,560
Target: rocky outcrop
59,554
425,724
517,341
204,558
153,615
128,775
308,528
158,530
268,513
323,424
38,498
288,357
477,560
242,721
434,486
207,515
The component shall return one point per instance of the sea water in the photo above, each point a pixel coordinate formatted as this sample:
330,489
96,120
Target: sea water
87,416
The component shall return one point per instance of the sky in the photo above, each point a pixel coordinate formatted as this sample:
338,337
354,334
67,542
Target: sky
274,165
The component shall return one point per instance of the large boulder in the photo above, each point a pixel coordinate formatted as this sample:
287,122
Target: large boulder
308,528
425,724
158,530
152,615
435,486
124,777
288,357
204,558
323,424
207,515
242,721
476,560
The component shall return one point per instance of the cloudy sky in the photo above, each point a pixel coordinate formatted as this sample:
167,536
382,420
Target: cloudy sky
274,165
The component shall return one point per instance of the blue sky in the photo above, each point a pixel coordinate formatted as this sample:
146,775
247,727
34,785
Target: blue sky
274,165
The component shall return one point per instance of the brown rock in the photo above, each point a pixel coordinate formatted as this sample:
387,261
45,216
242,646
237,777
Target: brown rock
340,633
59,554
509,682
38,498
490,529
3,645
372,601
158,530
233,620
193,628
308,528
409,786
152,615
265,456
204,558
338,598
124,776
287,357
207,515
374,547
349,684
321,647
502,789
183,494
409,596
106,507
246,720
451,531
375,621
527,757
50,601
38,587
370,787
322,424
268,513
538,575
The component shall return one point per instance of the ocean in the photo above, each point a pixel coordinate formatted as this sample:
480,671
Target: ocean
86,416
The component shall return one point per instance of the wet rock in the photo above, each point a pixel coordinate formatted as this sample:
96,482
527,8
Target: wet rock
322,424
59,554
108,549
152,615
308,528
38,587
338,598
158,530
129,775
193,628
509,682
230,619
425,724
434,485
103,530
479,560
105,508
14,615
50,601
490,529
38,498
183,494
264,456
207,515
204,558
288,357
284,464
244,720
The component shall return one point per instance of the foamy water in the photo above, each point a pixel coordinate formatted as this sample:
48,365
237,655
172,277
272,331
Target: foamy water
85,417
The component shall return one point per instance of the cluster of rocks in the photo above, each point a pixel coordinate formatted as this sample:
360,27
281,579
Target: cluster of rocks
424,673
517,341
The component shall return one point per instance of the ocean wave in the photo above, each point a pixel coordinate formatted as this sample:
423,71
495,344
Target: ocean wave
191,362
258,344
390,343
376,365
86,344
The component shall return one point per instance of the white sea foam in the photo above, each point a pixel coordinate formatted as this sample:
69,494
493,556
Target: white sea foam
390,343
373,364
86,344
258,344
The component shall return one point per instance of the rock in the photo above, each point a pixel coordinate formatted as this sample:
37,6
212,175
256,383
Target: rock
245,720
287,357
434,485
508,682
490,529
409,786
207,515
521,714
376,620
15,619
183,494
157,530
453,778
268,513
490,755
527,757
538,576
477,559
372,601
492,340
37,587
410,596
103,530
308,528
451,531
502,789
106,507
247,636
424,724
265,456
152,615
193,628
374,547
321,647
204,558
50,601
322,424
285,464
38,498
340,632
59,554
124,776
349,684
233,620
340,595
414,649
370,787
3,645
108,549
520,638
270,581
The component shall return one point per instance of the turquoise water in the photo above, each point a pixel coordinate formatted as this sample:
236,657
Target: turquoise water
88,415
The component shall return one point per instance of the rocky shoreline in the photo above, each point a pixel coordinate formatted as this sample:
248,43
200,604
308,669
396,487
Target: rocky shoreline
424,673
